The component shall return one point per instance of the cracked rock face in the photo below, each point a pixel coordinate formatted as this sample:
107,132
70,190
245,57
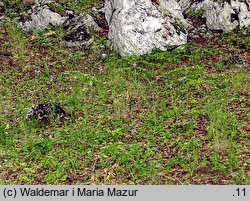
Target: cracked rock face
219,16
136,27
228,15
171,7
225,15
244,14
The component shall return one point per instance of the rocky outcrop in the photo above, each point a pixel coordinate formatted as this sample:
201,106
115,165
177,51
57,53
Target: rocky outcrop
243,10
171,8
41,17
219,16
77,27
225,15
138,26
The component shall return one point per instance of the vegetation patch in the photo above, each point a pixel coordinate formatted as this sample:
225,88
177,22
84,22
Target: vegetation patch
174,117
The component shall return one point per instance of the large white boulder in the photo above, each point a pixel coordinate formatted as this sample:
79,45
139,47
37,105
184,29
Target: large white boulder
136,27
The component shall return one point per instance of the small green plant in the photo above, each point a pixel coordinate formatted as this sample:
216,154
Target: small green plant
78,55
100,41
58,8
14,8
182,26
215,160
3,137
219,65
197,12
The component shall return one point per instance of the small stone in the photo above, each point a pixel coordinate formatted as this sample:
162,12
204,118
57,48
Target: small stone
104,56
78,30
45,111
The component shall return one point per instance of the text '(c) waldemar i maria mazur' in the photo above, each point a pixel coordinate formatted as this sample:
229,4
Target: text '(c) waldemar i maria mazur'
78,192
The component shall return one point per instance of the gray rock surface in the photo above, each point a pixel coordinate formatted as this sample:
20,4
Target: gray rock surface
89,22
184,4
244,14
170,6
219,16
138,26
42,2
78,30
225,15
46,111
173,9
41,17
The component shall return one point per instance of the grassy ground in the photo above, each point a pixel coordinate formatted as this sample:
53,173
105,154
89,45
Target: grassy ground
177,117
14,8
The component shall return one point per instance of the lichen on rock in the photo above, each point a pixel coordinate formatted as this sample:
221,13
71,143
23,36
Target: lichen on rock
78,29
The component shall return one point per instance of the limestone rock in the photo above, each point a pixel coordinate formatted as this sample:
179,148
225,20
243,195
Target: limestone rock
43,2
43,111
42,17
173,9
78,30
138,26
89,22
244,14
185,4
218,16
78,27
225,15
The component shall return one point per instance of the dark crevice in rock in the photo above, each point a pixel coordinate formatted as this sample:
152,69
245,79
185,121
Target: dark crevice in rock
235,16
101,20
155,2
111,16
78,34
